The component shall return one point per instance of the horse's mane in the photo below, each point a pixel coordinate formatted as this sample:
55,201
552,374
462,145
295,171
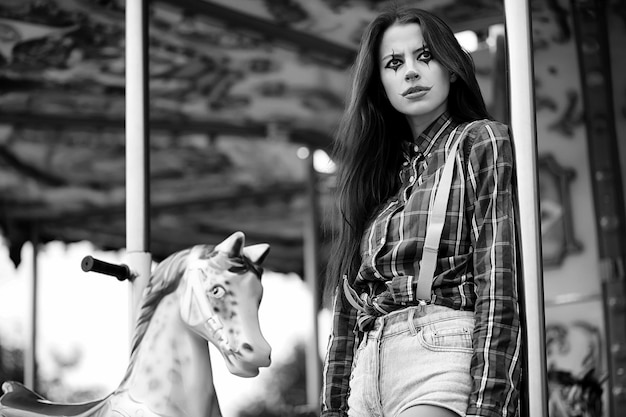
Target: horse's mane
163,281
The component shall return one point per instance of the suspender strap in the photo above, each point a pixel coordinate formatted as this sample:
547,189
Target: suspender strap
436,222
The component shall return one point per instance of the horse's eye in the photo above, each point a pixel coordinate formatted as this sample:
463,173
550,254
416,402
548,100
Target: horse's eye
216,291
238,269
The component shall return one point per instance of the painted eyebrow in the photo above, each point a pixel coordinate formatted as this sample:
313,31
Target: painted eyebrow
395,55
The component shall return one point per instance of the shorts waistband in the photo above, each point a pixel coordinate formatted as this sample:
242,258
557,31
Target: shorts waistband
421,315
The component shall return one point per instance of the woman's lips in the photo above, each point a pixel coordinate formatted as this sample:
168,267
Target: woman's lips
415,92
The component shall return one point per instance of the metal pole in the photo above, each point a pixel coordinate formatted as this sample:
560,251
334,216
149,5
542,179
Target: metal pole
137,150
30,354
311,276
522,119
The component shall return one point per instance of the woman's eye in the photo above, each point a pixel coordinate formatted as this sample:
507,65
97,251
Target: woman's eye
425,56
217,291
393,63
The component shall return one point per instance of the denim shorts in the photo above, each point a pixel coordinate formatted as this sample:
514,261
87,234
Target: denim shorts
416,356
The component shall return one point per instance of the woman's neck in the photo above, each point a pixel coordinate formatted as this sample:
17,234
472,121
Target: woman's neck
419,124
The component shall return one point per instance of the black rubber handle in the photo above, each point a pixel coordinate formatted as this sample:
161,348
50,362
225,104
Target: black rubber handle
121,272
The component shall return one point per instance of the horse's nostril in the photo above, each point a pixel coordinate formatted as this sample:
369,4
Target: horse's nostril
247,347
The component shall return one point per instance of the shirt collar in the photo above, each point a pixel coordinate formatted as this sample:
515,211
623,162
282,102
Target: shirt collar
431,135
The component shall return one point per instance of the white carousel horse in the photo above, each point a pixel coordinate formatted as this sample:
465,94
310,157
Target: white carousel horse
195,295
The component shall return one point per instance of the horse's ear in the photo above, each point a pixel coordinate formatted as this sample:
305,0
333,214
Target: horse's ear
232,245
257,253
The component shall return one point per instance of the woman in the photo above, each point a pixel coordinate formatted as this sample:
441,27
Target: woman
399,347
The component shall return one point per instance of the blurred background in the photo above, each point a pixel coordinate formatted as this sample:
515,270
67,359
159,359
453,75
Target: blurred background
244,97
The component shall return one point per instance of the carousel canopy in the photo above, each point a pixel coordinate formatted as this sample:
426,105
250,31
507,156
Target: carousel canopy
238,89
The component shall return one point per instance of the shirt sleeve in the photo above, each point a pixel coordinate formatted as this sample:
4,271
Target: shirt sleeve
495,366
338,361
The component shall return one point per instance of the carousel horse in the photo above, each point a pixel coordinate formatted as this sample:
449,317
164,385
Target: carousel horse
196,295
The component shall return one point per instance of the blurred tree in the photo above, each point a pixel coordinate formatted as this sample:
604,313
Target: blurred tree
11,364
55,388
59,386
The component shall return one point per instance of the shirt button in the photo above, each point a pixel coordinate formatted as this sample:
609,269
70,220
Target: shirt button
405,163
411,178
382,241
416,148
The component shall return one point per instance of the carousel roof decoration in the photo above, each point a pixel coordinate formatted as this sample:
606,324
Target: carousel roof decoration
236,88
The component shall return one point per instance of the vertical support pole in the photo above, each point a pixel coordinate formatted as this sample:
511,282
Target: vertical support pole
521,96
30,354
137,150
311,276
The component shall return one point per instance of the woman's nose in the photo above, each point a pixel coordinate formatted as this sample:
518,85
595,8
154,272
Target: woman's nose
411,74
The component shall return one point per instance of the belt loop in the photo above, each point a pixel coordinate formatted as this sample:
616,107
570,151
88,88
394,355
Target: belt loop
376,332
411,323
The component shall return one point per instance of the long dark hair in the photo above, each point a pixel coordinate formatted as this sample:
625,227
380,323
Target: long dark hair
368,141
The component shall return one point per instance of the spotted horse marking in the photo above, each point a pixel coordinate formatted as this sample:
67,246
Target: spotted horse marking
196,295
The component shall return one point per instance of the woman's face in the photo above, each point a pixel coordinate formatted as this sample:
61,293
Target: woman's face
415,83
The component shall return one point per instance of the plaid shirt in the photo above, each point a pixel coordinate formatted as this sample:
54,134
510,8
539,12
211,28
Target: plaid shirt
475,267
